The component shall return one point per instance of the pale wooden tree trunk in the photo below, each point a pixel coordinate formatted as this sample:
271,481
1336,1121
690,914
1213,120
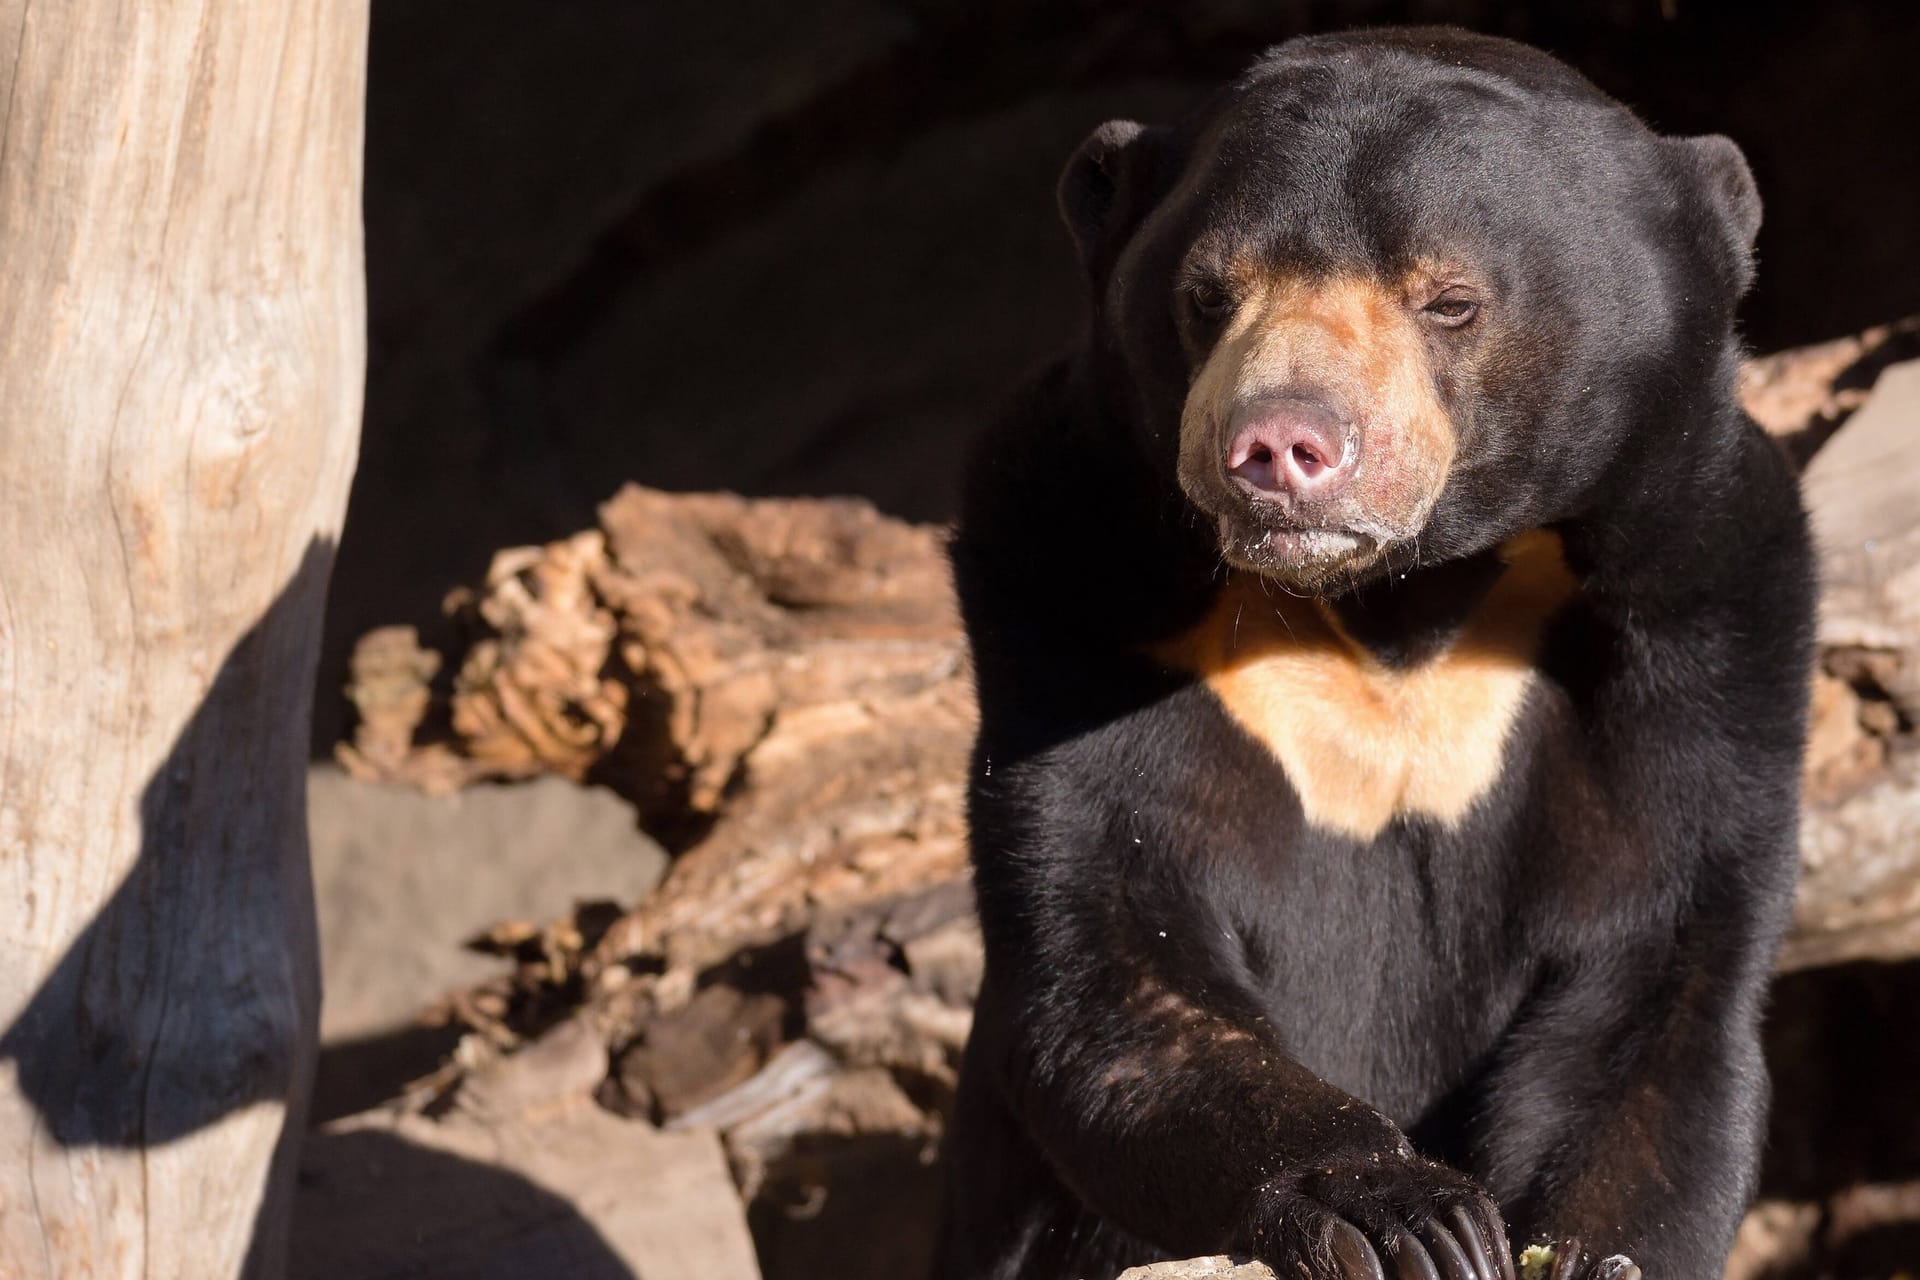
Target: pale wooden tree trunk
182,350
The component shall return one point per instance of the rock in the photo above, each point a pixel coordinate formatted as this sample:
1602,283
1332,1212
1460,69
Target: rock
567,1063
1200,1269
718,1040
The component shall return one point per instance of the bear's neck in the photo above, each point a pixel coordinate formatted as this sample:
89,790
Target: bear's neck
1405,619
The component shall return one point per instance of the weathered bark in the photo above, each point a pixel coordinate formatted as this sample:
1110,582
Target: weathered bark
781,685
1859,892
181,360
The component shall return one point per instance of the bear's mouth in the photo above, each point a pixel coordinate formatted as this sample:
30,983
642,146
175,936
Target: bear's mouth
1302,557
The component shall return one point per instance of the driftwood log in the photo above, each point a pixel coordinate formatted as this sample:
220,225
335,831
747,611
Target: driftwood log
781,686
182,319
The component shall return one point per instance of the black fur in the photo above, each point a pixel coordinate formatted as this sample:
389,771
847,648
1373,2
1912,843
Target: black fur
1207,1024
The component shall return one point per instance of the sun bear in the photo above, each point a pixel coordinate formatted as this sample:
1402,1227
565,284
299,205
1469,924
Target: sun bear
1392,643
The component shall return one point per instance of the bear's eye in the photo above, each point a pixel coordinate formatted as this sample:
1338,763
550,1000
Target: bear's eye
1210,299
1451,309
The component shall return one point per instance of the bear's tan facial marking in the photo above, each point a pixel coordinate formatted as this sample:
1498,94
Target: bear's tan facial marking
1359,342
1363,743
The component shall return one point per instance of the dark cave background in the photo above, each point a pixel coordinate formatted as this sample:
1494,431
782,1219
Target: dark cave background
805,246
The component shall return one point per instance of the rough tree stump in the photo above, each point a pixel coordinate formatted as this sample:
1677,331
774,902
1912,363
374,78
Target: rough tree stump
182,349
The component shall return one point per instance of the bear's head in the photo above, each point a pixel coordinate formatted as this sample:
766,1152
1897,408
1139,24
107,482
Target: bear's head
1395,296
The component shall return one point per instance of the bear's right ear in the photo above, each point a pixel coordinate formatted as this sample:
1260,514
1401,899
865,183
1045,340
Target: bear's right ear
1104,190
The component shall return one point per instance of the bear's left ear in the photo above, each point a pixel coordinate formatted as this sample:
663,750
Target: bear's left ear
1727,183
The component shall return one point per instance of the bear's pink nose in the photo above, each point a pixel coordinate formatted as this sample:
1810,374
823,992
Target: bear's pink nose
1289,449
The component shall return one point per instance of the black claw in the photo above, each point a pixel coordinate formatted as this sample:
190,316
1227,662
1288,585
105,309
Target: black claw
1566,1260
1448,1257
1410,1260
1502,1247
1468,1234
1493,1234
1355,1256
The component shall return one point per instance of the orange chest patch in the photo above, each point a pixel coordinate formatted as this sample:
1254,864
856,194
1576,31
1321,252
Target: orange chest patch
1363,743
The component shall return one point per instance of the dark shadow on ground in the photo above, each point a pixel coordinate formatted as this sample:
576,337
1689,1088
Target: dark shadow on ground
358,1075
373,1206
848,1206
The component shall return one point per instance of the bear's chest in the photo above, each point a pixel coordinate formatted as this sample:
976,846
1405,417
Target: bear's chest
1362,742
